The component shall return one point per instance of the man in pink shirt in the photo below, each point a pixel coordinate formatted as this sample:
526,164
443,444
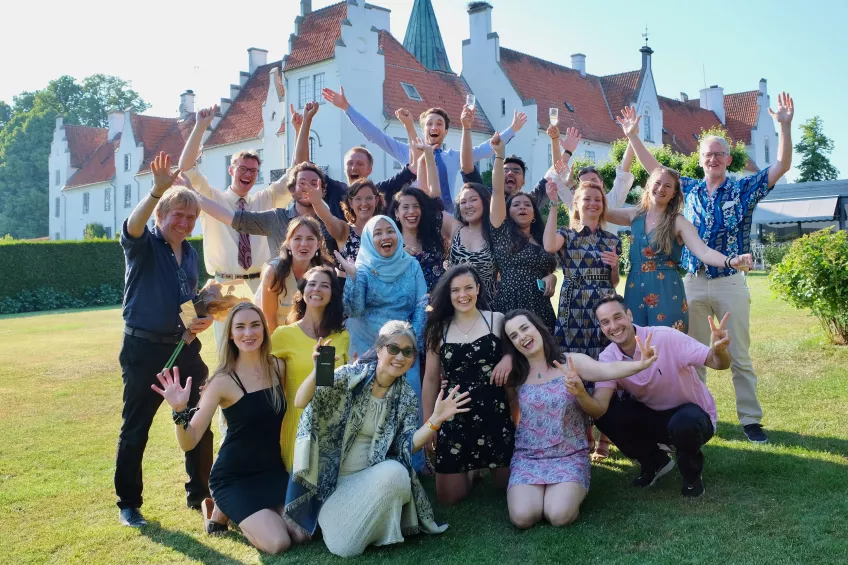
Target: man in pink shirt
667,403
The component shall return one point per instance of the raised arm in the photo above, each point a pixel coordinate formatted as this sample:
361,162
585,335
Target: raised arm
428,181
590,370
556,147
621,216
617,196
177,397
629,122
268,298
336,227
301,147
497,207
466,151
594,405
212,208
569,146
552,241
689,235
783,116
162,181
484,150
191,150
405,117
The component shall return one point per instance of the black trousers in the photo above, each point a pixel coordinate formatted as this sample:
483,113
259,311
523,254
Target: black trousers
140,361
636,430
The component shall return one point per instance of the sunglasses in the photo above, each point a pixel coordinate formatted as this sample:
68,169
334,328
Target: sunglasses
185,289
408,352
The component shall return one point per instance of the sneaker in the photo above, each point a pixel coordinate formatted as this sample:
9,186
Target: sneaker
693,489
650,475
132,517
755,433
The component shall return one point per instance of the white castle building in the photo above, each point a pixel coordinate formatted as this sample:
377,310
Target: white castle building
97,175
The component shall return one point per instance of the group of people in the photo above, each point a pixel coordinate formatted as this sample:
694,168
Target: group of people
436,297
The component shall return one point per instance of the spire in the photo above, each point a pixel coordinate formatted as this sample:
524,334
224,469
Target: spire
423,38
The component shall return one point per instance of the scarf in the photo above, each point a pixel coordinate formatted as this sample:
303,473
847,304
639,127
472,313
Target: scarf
387,269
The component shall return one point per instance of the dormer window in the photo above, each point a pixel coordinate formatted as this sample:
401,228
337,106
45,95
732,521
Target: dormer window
569,106
411,92
127,161
646,123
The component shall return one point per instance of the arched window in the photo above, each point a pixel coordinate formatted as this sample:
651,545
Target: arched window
646,125
312,149
767,152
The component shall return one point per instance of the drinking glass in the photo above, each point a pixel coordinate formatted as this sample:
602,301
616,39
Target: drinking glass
554,114
470,101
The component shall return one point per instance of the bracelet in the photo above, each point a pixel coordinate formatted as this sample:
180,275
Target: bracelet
498,157
433,426
183,417
727,261
570,154
154,196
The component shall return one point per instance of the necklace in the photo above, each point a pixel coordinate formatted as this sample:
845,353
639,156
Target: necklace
539,375
464,332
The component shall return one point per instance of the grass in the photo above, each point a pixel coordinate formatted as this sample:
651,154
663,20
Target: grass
785,502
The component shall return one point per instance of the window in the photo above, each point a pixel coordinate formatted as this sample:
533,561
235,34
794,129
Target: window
108,230
550,155
766,148
303,87
317,87
411,91
58,178
569,107
398,166
590,155
646,125
503,106
56,207
107,200
57,236
259,179
227,161
312,149
127,162
85,203
127,196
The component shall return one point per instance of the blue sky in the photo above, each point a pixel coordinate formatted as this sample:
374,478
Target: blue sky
166,46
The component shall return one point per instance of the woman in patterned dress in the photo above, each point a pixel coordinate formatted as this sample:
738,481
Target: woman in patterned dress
550,468
464,338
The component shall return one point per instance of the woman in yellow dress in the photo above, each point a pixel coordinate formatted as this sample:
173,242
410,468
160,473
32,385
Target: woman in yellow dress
317,312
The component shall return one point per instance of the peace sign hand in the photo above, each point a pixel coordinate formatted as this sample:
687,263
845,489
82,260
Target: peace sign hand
447,406
175,395
720,337
573,382
647,353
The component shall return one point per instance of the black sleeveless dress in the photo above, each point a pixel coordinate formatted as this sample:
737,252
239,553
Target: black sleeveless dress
249,474
483,437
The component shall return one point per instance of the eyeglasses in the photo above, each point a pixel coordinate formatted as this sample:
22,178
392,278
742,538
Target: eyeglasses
514,170
716,154
242,170
394,349
185,289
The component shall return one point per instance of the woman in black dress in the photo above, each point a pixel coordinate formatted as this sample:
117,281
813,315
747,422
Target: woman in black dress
463,339
248,481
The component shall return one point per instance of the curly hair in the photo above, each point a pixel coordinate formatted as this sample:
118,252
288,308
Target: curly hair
428,228
537,228
333,320
347,205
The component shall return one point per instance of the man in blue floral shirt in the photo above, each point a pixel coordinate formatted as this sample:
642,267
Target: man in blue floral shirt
721,209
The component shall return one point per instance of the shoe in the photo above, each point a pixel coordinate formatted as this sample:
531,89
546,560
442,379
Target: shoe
650,475
755,433
212,527
195,504
693,489
132,517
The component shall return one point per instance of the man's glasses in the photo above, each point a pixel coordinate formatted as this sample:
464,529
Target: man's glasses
242,170
185,289
393,349
716,154
513,170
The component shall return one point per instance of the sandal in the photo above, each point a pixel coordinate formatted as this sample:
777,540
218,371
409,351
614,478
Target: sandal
212,527
602,449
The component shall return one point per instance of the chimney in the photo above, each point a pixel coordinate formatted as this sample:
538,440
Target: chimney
480,21
277,83
764,88
256,58
116,122
234,91
684,97
305,7
646,57
578,63
712,98
297,21
186,104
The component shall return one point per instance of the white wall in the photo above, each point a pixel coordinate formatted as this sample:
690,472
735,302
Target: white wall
59,159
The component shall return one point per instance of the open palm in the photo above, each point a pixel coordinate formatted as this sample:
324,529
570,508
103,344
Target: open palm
174,394
785,109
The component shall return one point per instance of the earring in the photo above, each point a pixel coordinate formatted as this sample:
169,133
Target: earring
533,221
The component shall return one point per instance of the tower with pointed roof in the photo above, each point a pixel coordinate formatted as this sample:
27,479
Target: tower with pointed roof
423,38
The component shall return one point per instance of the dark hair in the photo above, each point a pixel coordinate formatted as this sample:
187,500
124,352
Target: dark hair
520,365
334,319
590,169
486,196
537,228
441,310
283,266
429,233
291,182
437,111
518,161
607,298
347,206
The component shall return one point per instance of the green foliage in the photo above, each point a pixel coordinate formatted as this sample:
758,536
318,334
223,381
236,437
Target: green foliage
562,214
487,178
624,258
815,146
814,275
773,252
5,114
45,275
94,231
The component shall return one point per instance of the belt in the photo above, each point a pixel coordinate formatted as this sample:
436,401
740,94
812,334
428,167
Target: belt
228,276
154,338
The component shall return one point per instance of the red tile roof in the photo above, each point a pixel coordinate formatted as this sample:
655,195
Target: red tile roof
552,85
100,166
83,141
683,122
243,120
160,134
620,90
317,40
437,89
740,114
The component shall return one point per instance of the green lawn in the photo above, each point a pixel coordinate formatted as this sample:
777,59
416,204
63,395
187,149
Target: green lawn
786,502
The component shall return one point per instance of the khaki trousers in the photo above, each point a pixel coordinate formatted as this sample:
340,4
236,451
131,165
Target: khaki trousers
718,296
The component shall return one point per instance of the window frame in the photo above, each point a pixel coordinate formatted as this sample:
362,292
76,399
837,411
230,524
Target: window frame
316,91
127,195
303,87
107,199
86,202
56,207
406,89
127,162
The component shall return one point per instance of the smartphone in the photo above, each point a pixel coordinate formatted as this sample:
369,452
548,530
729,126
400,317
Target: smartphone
200,307
325,365
540,284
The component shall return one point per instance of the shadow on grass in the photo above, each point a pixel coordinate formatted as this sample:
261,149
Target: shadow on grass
186,544
838,446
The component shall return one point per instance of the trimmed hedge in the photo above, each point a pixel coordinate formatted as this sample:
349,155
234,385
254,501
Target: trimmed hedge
46,275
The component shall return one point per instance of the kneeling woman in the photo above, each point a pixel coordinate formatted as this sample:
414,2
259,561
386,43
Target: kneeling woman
353,472
248,480
550,468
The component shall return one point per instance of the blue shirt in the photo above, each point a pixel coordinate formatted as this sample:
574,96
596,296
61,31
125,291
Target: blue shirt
399,151
153,288
723,219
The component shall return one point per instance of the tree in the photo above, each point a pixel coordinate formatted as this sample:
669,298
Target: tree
5,114
815,146
94,231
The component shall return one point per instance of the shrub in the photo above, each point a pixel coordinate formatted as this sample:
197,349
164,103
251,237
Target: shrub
773,253
814,274
94,231
624,258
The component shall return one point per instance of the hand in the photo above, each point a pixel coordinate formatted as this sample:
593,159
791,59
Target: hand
319,344
448,406
572,138
720,337
310,110
296,118
315,192
430,446
175,395
552,190
419,144
553,132
573,382
647,353
743,263
629,121
467,117
550,285
162,176
497,144
518,120
561,166
337,99
501,372
347,266
203,118
610,259
198,325
405,117
785,109
183,180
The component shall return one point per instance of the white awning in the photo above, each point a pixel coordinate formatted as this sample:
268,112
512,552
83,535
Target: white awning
795,210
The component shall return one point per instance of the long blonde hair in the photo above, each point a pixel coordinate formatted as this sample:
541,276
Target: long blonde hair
575,222
228,354
664,235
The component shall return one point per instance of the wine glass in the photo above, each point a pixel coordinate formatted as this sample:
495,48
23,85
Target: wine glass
470,101
554,114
